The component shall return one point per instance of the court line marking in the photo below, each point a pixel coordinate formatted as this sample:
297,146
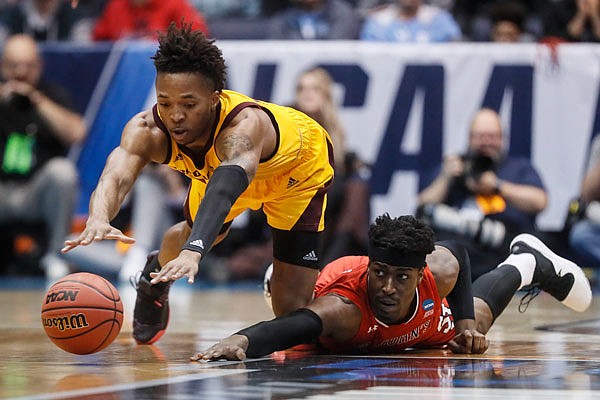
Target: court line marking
453,393
216,373
472,358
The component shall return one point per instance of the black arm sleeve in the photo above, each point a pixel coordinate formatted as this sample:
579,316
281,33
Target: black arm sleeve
300,326
460,299
226,184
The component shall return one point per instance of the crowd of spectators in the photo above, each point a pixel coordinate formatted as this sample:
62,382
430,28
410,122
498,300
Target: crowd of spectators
381,20
401,21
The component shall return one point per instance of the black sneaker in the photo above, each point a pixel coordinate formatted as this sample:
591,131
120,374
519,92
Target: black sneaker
151,312
559,277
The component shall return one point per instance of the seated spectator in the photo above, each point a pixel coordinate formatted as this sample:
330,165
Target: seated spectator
476,17
37,127
584,237
46,20
234,19
507,23
485,197
410,21
315,19
572,20
347,216
143,19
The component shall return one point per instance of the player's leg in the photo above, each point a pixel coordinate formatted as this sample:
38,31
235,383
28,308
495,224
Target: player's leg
291,287
151,312
295,269
530,264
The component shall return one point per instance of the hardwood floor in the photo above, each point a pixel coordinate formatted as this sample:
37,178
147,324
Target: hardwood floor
560,361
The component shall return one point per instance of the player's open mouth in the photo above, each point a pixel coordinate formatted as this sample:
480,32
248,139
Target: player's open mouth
179,131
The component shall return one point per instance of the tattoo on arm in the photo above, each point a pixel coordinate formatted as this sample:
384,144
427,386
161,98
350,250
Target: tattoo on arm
234,146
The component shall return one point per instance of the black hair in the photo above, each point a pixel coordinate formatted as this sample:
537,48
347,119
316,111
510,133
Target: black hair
181,49
511,12
404,235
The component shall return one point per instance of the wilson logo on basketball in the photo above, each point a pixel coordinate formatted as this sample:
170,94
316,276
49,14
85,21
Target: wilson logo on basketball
66,295
75,321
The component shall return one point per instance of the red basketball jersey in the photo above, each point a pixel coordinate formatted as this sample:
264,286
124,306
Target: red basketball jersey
431,324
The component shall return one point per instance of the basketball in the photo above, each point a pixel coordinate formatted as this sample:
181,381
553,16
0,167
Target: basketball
82,313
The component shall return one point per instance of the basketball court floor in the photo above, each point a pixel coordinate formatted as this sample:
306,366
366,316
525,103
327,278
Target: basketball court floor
548,352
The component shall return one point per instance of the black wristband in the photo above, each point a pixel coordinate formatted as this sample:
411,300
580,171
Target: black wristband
226,184
300,326
460,298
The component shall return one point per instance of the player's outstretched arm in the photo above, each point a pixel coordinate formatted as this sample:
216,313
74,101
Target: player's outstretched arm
330,315
232,348
140,144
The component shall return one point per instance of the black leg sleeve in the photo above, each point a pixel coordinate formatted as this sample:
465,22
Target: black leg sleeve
497,287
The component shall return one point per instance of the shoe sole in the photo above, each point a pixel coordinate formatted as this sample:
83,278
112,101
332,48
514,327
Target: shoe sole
580,295
154,338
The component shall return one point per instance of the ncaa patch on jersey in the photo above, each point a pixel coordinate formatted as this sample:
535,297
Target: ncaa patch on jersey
427,304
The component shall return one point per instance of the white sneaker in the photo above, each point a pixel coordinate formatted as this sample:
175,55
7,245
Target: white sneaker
267,286
559,277
54,267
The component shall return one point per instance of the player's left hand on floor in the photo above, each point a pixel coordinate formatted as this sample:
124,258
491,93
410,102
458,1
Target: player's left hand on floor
469,342
229,349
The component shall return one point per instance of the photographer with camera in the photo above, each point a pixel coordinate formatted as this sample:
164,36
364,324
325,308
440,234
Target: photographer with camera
483,198
38,184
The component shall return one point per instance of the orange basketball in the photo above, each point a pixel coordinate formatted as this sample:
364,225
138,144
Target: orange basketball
82,313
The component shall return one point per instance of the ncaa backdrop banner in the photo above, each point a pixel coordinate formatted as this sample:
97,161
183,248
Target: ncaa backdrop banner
403,106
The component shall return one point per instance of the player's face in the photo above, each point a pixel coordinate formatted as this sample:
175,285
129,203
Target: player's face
187,105
391,290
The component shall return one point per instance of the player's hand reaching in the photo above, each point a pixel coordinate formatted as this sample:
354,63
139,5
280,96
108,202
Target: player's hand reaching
95,231
232,348
469,341
186,264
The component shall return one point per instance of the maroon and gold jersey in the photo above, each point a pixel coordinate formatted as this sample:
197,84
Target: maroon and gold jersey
431,324
290,185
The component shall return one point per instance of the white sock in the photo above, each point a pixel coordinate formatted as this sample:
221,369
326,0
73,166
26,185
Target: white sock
525,264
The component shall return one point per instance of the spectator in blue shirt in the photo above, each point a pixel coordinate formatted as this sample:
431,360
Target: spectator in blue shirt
483,198
410,21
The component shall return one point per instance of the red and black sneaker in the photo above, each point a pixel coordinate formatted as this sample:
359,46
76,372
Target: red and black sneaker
151,312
